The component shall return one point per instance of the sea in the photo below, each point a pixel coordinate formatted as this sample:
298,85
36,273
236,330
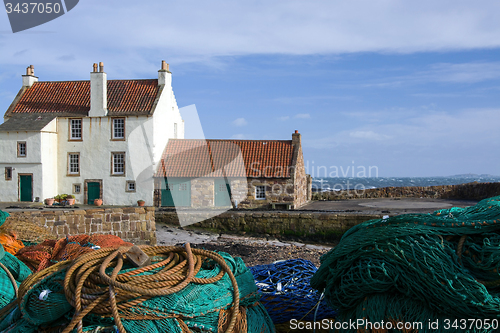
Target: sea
361,183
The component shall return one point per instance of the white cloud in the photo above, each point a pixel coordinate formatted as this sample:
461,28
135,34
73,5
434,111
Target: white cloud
302,116
240,122
284,118
198,31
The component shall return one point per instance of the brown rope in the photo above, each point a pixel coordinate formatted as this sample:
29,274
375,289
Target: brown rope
11,277
89,288
460,248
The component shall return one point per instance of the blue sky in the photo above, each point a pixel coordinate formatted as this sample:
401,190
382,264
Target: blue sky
411,88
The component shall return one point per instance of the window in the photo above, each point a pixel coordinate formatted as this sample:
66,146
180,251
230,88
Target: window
77,188
118,130
74,164
75,129
175,130
130,186
118,164
8,173
21,149
260,192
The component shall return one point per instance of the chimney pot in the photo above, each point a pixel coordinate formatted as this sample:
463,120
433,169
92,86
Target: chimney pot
163,65
101,67
168,67
296,131
94,67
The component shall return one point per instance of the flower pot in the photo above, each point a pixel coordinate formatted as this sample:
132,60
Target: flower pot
98,202
141,203
49,201
71,202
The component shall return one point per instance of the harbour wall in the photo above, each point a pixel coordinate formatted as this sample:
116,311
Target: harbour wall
132,224
313,226
469,191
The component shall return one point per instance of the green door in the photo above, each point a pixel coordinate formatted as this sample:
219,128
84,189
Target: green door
26,187
222,192
93,192
177,193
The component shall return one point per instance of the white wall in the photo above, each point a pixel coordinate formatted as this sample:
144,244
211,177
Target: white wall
49,146
9,190
95,158
165,115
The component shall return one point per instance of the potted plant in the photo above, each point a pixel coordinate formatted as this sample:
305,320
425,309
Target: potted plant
70,199
49,201
57,198
98,202
141,203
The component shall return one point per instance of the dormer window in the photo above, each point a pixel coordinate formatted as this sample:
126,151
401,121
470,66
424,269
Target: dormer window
75,129
118,130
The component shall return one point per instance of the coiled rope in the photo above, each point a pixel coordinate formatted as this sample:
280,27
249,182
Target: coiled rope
90,289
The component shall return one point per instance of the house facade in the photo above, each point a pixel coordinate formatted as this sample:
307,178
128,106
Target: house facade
93,139
232,173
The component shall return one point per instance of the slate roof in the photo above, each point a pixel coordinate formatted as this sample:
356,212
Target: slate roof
236,158
26,122
73,97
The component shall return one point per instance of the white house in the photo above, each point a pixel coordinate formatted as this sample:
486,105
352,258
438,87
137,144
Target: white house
93,139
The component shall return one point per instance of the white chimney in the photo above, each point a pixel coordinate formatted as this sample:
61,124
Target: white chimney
164,75
98,92
30,77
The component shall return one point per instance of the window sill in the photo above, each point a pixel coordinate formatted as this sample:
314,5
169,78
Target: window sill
72,175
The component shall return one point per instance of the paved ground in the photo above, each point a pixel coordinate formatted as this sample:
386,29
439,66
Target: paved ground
387,205
368,206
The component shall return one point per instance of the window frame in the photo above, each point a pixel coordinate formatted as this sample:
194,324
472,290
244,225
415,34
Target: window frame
113,137
68,171
70,129
257,187
19,143
113,173
79,186
128,183
7,171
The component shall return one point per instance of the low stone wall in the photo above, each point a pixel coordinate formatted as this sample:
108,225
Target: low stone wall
319,226
469,191
132,224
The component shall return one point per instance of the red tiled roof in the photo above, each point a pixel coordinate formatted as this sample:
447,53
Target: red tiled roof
213,158
124,96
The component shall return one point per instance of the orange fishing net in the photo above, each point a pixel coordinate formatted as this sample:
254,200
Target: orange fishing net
10,242
43,255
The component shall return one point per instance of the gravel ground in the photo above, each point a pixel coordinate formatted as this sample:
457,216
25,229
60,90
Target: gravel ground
253,250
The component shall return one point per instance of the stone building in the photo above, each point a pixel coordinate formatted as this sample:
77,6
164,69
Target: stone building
94,138
233,173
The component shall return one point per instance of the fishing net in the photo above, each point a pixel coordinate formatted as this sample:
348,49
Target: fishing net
27,231
182,290
41,256
10,242
418,268
287,293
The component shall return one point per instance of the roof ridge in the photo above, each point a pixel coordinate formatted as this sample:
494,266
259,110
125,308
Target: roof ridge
62,81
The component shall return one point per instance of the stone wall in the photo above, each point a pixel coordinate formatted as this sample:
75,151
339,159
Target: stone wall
300,180
278,190
202,192
469,191
320,226
132,224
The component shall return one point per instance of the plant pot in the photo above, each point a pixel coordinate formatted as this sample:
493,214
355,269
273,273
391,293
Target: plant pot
98,202
71,202
141,203
49,201
58,200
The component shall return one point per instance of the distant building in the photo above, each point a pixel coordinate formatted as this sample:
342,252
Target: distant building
94,139
226,173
